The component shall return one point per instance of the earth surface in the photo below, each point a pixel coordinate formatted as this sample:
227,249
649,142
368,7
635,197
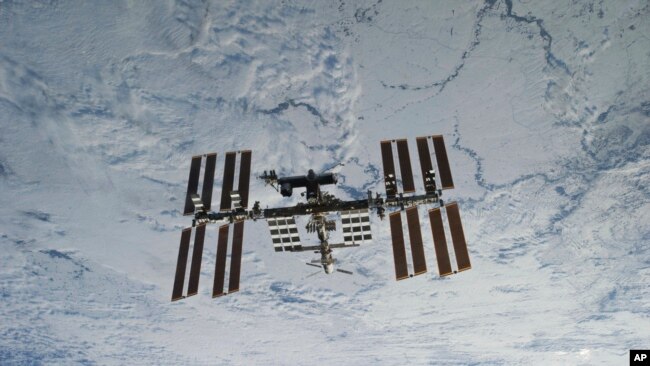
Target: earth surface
544,106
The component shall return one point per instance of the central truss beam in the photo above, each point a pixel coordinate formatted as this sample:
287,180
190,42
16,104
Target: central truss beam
308,209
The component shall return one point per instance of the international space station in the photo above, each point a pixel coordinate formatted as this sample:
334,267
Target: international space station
319,206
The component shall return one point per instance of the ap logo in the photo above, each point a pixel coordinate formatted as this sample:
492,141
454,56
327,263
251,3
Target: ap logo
639,357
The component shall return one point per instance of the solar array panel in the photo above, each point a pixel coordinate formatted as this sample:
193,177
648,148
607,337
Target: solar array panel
443,162
220,262
406,172
244,177
428,175
458,237
192,200
181,264
235,259
389,168
208,180
415,235
228,181
192,184
197,254
405,166
412,217
440,242
195,202
399,252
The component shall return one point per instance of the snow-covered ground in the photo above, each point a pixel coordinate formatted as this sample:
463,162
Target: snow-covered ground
545,107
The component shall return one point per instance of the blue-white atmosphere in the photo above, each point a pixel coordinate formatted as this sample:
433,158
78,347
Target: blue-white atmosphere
545,111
